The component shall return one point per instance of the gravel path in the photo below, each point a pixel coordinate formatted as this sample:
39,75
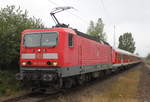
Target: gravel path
144,85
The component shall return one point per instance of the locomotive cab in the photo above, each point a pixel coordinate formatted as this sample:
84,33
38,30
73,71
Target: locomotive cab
42,53
38,49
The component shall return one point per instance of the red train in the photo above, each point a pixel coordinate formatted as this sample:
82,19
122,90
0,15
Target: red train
63,56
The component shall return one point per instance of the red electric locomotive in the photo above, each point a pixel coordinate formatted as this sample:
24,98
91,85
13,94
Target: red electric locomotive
52,54
62,56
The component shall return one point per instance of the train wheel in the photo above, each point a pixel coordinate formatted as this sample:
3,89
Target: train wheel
101,74
95,75
108,72
58,84
81,79
68,83
88,77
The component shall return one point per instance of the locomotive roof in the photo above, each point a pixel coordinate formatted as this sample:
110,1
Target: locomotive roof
70,30
90,37
49,29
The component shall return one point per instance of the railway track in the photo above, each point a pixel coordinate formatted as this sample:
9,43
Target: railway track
17,98
32,97
36,97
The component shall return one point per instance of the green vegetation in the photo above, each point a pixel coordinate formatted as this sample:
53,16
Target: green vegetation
126,42
147,61
148,57
97,29
8,84
119,89
12,22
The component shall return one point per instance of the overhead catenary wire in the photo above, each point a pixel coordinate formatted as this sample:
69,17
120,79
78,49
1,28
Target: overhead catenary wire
112,24
81,18
77,16
106,12
84,20
53,2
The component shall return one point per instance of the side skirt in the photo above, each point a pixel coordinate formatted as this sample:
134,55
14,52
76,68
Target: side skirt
76,70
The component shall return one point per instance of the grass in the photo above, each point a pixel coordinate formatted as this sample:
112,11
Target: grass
124,89
8,84
147,61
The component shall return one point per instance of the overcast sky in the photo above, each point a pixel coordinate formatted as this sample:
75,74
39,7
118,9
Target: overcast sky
127,15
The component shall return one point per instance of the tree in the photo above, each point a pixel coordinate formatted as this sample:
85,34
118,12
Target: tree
126,42
12,22
148,57
97,30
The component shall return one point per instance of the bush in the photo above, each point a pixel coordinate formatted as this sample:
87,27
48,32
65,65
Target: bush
12,22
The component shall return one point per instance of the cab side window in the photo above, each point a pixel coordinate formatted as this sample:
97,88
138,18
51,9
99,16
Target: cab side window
70,40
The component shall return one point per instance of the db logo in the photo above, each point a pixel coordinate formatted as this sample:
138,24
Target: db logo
39,63
39,56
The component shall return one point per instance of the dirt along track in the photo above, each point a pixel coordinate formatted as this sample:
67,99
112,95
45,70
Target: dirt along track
144,85
106,89
30,97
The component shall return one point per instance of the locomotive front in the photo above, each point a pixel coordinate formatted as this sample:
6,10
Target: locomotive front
40,55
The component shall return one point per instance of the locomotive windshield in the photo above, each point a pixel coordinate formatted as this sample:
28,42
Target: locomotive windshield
41,39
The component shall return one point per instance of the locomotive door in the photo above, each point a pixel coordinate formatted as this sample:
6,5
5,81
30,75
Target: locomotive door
80,54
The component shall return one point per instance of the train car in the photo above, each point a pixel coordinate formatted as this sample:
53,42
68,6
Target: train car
56,55
123,58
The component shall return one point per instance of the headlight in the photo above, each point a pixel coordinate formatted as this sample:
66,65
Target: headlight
39,50
24,63
55,63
